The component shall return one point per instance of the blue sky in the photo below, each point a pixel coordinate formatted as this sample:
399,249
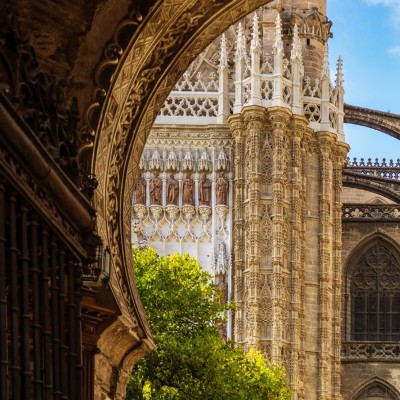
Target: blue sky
367,36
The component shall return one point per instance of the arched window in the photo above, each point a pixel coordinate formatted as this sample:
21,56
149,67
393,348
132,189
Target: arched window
376,391
375,296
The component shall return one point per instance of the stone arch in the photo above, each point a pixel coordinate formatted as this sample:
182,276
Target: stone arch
376,389
370,184
385,122
138,90
161,49
357,252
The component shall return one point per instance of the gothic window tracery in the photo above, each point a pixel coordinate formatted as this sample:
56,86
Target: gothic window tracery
375,296
375,390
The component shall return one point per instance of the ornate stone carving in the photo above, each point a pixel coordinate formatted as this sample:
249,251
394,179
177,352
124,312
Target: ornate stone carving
140,190
188,163
205,212
155,189
370,352
373,212
40,101
221,265
204,162
156,211
172,162
172,190
173,212
155,162
140,211
221,189
189,212
204,190
188,191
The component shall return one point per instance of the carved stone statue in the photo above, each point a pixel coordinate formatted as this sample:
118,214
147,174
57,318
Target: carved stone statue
221,189
140,190
155,189
188,190
223,288
204,190
172,190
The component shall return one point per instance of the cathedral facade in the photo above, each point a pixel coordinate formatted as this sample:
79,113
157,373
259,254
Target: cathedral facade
286,227
244,167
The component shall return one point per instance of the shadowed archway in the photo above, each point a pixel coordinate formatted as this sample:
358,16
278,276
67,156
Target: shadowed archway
164,44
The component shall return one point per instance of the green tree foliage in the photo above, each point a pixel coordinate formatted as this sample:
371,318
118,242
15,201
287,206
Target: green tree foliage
191,361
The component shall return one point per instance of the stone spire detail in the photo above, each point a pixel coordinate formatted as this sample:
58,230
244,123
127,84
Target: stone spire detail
223,91
296,53
239,68
255,42
223,61
255,52
278,63
240,43
325,72
296,57
278,43
340,89
325,88
339,73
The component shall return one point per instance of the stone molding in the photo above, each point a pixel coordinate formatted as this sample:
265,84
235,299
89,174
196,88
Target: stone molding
371,213
370,352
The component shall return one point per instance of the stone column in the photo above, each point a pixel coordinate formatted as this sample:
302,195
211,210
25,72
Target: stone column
279,119
255,122
296,250
338,164
326,142
238,132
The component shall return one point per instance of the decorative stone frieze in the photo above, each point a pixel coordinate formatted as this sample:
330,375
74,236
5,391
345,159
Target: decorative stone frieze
370,352
371,212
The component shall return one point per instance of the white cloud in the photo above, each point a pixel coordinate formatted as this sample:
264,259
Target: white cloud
394,50
393,4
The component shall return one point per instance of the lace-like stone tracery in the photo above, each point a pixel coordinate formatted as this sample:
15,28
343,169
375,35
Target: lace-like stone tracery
375,292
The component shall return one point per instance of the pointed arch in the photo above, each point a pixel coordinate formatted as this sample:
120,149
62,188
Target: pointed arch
371,293
376,388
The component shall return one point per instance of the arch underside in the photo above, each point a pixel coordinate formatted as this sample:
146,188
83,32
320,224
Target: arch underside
376,388
151,65
174,34
381,121
384,187
171,37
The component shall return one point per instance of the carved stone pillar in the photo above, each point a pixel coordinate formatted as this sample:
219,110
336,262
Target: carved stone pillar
255,123
238,133
296,250
338,163
326,142
279,120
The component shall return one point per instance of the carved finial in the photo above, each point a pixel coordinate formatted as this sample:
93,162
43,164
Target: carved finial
339,73
255,42
296,53
223,62
278,44
325,73
240,43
